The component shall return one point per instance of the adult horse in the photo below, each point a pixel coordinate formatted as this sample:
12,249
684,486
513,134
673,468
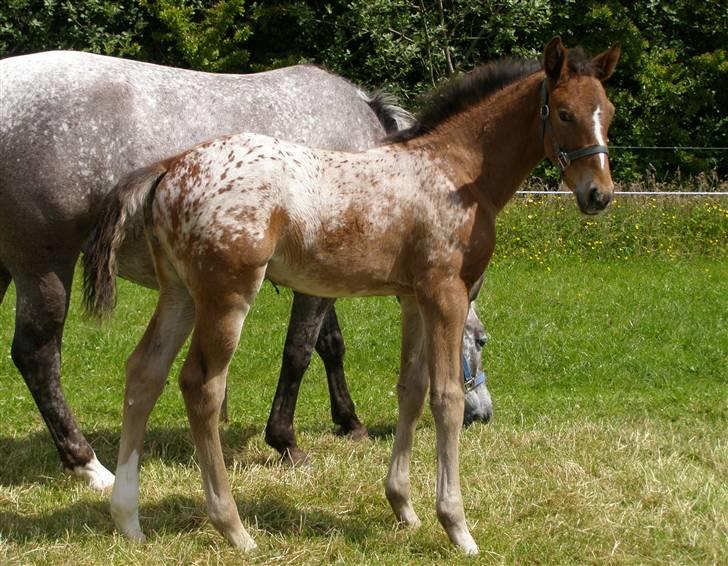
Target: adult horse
72,123
248,207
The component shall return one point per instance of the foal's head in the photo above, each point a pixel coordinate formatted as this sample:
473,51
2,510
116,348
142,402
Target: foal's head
575,116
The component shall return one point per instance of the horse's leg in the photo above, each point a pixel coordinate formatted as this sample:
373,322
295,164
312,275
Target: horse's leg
146,373
444,308
42,296
218,322
330,346
307,315
411,390
5,279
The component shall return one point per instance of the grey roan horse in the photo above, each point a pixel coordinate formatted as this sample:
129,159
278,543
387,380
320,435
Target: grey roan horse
72,124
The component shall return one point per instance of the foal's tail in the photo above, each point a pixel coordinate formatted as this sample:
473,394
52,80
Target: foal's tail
100,259
393,117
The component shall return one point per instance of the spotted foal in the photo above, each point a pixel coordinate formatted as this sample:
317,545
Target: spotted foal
414,217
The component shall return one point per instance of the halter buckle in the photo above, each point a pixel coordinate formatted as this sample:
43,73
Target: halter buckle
562,159
474,381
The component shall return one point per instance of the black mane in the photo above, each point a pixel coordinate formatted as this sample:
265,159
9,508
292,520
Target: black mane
464,91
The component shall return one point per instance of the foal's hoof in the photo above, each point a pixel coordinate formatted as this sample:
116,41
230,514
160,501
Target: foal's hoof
129,528
463,540
410,520
294,457
242,541
95,475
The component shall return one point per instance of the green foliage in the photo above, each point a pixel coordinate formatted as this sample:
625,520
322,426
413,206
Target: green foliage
671,87
102,26
408,47
208,36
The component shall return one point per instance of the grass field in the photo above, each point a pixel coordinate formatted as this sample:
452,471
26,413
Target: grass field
609,380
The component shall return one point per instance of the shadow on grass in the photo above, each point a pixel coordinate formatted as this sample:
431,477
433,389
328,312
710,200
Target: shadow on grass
33,459
381,431
174,515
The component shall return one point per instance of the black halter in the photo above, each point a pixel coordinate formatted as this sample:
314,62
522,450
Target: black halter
563,158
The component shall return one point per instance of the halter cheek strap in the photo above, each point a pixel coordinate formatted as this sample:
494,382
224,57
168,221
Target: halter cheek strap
563,158
470,381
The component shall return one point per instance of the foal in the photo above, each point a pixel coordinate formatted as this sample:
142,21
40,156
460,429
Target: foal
415,218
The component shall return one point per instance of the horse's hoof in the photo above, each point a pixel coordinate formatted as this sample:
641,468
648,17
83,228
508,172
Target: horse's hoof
463,540
129,527
294,457
242,541
469,549
95,475
408,518
355,432
359,433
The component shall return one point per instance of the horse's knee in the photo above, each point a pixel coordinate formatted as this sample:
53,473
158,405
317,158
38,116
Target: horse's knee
447,407
34,349
202,392
330,345
191,378
297,355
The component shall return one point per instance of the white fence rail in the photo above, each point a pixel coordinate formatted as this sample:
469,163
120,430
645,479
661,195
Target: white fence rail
638,193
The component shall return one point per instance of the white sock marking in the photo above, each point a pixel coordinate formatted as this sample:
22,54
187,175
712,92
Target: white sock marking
95,475
125,498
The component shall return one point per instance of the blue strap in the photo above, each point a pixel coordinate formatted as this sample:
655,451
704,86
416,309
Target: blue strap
470,381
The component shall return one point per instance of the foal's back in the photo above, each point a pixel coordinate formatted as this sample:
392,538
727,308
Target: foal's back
326,223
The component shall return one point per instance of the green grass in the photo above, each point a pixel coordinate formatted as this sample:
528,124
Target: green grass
609,441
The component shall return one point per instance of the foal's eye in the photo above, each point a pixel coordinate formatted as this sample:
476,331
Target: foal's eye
565,116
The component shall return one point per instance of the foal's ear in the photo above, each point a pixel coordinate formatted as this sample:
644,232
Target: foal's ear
554,59
605,62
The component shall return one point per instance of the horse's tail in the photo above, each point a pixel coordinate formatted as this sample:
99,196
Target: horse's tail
393,117
100,265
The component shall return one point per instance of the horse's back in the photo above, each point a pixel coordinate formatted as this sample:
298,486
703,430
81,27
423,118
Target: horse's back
73,123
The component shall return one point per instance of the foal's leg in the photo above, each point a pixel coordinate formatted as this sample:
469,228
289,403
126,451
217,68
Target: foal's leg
444,308
146,373
218,321
330,346
411,390
307,315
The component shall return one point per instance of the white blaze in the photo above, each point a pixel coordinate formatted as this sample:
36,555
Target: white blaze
598,135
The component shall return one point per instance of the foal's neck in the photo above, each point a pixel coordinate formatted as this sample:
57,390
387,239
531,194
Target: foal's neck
495,145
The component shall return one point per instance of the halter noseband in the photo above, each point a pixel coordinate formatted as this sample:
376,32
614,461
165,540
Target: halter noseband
563,158
471,381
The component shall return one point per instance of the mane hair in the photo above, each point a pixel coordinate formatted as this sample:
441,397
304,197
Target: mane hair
465,91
